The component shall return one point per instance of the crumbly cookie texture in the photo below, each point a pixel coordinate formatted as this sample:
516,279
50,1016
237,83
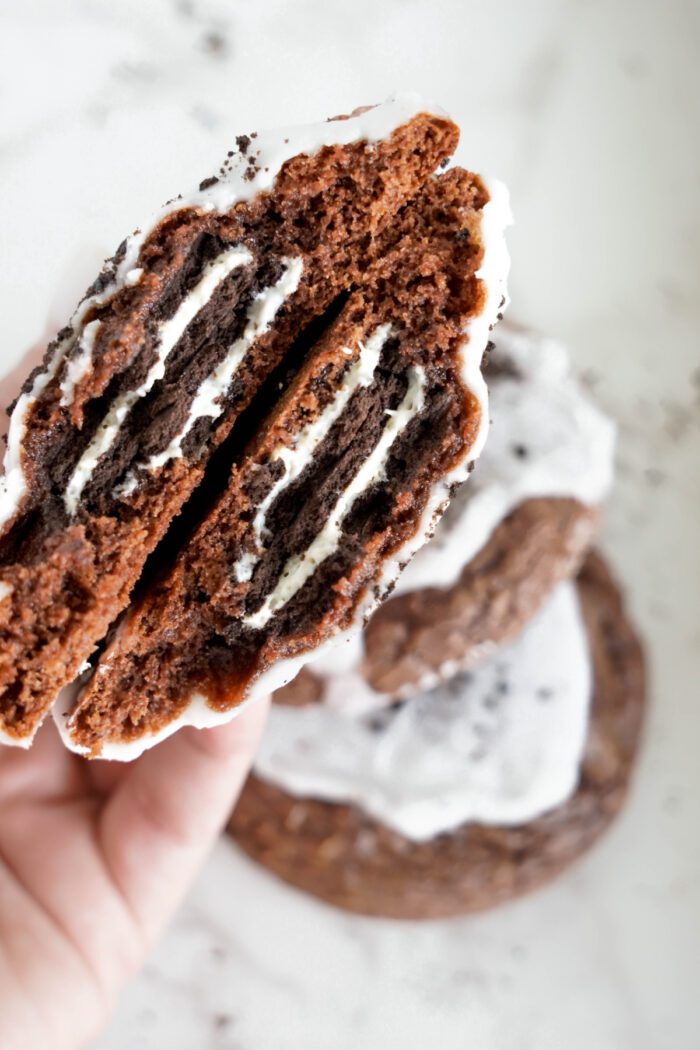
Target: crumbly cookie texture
342,465
147,394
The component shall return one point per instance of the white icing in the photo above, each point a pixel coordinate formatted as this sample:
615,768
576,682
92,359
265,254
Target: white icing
569,452
6,590
208,399
300,567
308,440
169,334
78,366
470,751
133,277
270,150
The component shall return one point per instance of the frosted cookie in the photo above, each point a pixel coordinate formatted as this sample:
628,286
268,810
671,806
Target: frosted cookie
522,524
460,799
341,468
171,348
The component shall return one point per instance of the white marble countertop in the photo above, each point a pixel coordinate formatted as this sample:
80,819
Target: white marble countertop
590,111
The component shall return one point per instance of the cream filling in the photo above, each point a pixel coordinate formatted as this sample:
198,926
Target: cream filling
296,459
13,484
208,399
301,567
500,746
169,334
78,367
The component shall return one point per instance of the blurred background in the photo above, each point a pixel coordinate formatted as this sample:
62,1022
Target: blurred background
590,111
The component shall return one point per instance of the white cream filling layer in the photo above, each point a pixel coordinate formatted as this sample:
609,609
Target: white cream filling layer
78,366
169,334
208,399
301,567
500,746
297,457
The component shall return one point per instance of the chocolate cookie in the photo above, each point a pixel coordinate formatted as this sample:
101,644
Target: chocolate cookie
337,853
180,354
342,465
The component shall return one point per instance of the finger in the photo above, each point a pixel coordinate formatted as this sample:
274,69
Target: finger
46,771
106,776
165,814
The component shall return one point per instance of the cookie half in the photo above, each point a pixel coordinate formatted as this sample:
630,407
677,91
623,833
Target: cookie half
340,854
168,348
341,467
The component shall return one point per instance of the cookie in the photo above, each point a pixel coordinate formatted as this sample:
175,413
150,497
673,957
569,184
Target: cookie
341,467
351,859
170,345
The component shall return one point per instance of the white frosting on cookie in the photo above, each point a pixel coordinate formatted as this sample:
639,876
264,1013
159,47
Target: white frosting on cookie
547,438
500,745
80,364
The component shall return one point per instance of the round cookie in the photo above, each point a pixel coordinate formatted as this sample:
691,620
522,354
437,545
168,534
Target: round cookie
336,852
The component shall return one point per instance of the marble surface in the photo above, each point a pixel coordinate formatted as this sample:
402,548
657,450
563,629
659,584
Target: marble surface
590,110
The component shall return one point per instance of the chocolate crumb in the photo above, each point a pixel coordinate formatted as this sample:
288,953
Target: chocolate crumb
222,1021
215,43
520,451
654,477
206,183
242,141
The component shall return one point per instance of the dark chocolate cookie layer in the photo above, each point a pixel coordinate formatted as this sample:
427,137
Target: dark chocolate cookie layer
337,853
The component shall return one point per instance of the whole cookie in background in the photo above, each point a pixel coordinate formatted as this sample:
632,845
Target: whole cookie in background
522,525
458,800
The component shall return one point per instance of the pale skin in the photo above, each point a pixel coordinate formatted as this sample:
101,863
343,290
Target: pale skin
94,859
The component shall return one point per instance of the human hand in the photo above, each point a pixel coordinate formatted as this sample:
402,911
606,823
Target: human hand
94,859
